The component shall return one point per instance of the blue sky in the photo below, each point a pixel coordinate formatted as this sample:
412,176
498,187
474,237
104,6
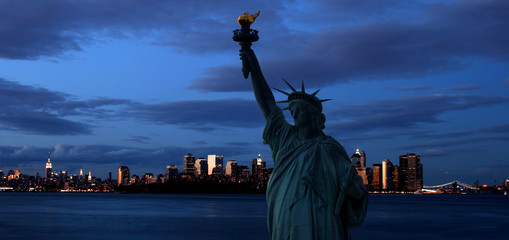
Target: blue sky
142,83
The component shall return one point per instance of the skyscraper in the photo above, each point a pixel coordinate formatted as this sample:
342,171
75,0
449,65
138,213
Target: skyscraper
123,175
215,164
377,176
359,159
387,168
410,172
188,170
49,167
231,168
201,167
258,169
172,172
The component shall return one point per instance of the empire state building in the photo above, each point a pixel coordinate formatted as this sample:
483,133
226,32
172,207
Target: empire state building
49,168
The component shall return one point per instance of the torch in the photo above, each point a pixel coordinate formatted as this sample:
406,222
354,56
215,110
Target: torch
245,35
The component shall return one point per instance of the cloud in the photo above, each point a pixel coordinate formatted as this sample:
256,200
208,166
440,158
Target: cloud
462,87
41,111
201,115
450,143
382,48
403,113
54,28
411,88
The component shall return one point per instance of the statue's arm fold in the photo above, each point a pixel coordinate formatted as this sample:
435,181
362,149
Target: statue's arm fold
261,89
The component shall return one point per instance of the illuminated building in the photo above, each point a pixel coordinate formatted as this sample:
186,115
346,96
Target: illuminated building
387,168
172,172
188,170
201,167
123,175
148,178
13,175
215,164
258,169
377,176
49,167
395,177
359,159
410,172
231,167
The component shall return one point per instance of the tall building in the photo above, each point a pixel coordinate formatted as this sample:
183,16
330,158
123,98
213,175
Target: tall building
201,167
215,164
188,170
258,169
395,177
410,172
231,168
49,167
387,168
359,159
172,172
377,176
123,175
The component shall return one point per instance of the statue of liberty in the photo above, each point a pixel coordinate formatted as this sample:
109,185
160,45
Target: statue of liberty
314,192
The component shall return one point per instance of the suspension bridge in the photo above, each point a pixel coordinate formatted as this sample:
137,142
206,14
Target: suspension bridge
450,185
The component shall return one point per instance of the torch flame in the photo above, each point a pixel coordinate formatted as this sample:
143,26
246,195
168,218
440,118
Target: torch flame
246,19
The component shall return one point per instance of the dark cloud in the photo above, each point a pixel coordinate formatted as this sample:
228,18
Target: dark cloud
435,144
41,111
139,139
52,28
414,88
403,113
462,87
383,48
202,115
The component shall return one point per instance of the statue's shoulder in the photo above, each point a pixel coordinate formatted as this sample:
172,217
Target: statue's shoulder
332,146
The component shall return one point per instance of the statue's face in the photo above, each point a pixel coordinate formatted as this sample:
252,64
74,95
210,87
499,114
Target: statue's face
303,113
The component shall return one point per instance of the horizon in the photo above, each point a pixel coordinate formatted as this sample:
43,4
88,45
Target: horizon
104,84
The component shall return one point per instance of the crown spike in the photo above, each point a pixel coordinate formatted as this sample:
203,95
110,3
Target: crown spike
281,91
325,100
314,94
303,89
293,89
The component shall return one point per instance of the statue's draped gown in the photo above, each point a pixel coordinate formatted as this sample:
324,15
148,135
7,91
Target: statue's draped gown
305,193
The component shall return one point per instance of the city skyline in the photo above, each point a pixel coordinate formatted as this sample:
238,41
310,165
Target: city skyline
107,84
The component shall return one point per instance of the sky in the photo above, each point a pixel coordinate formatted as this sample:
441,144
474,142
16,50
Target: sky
101,84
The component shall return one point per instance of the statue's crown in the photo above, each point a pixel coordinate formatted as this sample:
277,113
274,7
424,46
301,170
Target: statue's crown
302,95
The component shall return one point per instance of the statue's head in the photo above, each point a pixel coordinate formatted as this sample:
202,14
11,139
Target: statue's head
306,109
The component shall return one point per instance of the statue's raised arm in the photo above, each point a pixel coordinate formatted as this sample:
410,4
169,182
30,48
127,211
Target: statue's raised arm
261,89
245,36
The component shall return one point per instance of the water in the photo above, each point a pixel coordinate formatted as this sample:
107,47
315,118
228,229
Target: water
199,216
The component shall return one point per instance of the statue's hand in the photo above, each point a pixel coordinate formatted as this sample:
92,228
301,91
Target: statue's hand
249,62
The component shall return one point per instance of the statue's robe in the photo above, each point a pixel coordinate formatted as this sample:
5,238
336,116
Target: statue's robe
306,191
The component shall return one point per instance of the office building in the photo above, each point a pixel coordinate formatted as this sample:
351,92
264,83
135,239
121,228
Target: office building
410,172
377,176
215,164
123,175
172,173
49,168
359,159
188,170
231,168
201,167
387,169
